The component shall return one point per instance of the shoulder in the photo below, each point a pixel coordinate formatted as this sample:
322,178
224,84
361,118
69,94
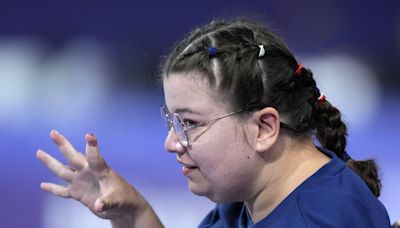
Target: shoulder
337,207
337,197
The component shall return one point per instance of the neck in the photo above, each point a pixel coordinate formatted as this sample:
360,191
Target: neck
293,162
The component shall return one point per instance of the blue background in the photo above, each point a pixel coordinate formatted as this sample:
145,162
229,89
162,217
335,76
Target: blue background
92,66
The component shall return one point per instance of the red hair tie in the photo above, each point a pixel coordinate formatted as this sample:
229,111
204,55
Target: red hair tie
321,99
299,68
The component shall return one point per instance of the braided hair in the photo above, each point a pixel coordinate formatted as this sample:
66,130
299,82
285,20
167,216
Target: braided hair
249,64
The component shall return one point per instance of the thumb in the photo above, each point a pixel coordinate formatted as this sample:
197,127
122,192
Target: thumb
103,204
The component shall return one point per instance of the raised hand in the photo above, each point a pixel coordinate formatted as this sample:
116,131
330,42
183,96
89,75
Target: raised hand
95,185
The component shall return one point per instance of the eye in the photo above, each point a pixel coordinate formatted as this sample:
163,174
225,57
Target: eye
188,122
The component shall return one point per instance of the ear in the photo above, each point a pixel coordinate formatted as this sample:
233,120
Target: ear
268,121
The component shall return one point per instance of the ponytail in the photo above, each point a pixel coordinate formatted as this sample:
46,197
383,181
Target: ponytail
332,133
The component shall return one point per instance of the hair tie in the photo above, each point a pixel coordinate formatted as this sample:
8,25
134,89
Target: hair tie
212,51
261,53
299,68
321,99
345,156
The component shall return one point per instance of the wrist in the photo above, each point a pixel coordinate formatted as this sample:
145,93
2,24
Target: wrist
142,215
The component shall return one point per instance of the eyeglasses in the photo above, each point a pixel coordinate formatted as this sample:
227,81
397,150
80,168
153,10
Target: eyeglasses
173,120
181,128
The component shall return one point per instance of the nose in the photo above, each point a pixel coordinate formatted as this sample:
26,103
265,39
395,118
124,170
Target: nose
172,143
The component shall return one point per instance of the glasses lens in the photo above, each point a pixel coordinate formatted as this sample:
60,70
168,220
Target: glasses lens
173,120
179,130
166,117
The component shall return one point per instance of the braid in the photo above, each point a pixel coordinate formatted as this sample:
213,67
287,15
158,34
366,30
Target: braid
332,133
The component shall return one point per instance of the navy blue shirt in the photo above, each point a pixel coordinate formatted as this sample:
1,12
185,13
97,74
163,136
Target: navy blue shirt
334,196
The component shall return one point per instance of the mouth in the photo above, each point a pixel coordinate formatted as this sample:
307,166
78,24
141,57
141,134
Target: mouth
186,169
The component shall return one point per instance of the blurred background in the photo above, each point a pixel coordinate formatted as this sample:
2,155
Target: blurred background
91,66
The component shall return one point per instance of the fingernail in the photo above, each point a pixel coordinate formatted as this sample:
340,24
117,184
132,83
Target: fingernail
91,134
92,143
54,132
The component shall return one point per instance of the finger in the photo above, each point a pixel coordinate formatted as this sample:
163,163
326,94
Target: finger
55,189
55,166
76,159
93,156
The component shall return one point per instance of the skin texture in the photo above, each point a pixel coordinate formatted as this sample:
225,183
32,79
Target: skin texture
225,161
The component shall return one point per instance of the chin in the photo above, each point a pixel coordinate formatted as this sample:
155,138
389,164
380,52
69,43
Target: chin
198,189
214,196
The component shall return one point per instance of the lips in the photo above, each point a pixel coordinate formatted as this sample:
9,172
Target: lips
186,168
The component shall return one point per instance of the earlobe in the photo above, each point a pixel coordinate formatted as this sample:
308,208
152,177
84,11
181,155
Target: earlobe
268,121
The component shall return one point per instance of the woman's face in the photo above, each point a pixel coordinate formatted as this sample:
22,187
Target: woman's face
219,163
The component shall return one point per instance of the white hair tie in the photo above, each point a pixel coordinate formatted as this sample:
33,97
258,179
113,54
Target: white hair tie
262,51
321,99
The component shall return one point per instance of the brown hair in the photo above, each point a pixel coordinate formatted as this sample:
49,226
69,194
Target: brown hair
242,77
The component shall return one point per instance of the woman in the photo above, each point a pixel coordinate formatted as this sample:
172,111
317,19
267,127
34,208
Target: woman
243,117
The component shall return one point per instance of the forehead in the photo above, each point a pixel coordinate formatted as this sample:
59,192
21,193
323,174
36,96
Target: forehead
190,90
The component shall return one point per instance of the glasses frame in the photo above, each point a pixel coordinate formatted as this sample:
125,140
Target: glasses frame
173,120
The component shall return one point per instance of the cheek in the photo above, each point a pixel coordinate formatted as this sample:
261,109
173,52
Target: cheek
225,163
217,148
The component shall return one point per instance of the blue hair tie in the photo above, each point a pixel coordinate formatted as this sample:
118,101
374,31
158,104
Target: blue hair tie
317,92
345,156
212,51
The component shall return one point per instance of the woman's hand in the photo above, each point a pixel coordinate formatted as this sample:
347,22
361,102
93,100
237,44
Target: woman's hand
95,185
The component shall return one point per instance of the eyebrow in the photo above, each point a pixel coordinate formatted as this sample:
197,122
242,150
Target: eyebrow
186,110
